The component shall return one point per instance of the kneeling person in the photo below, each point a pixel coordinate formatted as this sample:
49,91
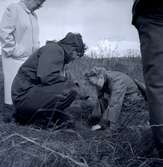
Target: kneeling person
112,87
41,85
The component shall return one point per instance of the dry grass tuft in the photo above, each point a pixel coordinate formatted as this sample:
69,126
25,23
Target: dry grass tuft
130,146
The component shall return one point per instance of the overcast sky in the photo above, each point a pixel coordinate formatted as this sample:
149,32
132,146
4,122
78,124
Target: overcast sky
95,19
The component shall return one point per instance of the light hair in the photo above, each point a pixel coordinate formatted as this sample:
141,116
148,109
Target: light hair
96,72
99,71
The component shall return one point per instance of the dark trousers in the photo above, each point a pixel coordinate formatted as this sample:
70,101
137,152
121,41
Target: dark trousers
41,103
150,28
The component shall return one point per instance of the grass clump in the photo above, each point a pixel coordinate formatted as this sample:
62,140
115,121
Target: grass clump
130,146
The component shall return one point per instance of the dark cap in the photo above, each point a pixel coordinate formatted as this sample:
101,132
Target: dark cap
74,40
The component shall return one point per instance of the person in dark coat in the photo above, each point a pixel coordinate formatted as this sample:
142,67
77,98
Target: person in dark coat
41,89
148,19
112,87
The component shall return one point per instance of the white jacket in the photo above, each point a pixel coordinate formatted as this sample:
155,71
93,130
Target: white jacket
19,37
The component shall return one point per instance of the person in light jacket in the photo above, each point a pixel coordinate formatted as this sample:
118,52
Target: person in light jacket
41,86
148,20
112,87
19,37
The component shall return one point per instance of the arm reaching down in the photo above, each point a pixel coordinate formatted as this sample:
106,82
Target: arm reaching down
118,91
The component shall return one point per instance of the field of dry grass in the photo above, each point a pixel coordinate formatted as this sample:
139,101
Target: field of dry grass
130,146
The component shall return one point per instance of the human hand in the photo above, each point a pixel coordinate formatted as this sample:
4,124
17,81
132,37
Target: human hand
19,52
96,127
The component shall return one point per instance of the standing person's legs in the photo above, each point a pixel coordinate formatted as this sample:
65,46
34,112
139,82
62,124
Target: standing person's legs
150,30
10,67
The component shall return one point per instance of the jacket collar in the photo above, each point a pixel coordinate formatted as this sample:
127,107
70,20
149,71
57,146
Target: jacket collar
22,4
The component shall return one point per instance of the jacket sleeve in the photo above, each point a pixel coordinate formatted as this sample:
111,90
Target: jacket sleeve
118,91
50,65
7,27
134,10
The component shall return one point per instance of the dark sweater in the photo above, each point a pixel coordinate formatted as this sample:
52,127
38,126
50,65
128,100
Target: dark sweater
143,7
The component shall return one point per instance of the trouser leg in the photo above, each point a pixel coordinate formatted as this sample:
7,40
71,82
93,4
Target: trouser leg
42,98
150,30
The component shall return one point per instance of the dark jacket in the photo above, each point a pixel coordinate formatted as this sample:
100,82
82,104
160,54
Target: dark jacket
143,7
41,82
43,72
44,67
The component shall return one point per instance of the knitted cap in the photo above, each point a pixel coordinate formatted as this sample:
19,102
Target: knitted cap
75,41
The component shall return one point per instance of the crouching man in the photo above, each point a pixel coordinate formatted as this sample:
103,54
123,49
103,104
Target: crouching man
112,87
41,89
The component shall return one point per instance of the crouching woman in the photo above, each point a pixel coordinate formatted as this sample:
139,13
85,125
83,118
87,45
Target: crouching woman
41,85
112,87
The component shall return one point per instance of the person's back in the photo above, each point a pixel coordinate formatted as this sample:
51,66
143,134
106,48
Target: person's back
117,78
35,71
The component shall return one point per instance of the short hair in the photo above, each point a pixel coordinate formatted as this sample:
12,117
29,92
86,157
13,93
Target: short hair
95,72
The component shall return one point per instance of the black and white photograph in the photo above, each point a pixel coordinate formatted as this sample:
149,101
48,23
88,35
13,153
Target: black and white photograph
81,83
